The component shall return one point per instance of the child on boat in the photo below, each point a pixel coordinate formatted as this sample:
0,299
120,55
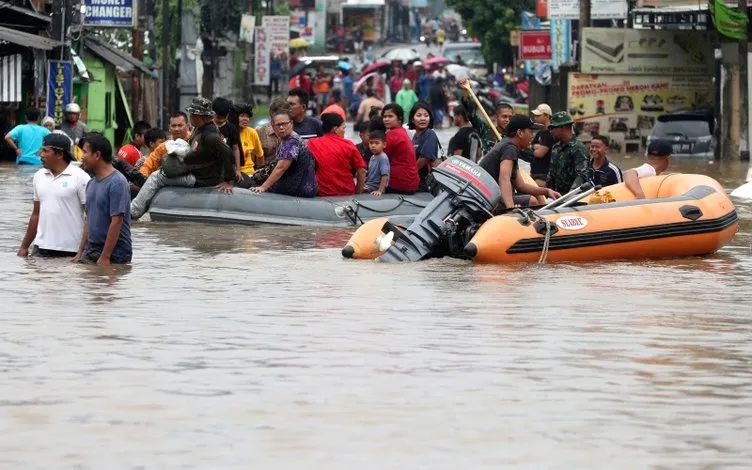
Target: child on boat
378,166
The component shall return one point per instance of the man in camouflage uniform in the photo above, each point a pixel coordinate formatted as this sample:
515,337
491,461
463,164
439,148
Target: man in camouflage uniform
569,157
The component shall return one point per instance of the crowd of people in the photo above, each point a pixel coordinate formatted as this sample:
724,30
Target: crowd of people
213,144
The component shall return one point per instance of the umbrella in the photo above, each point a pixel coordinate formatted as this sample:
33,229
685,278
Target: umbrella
363,79
459,72
344,65
379,65
299,43
402,54
434,61
299,67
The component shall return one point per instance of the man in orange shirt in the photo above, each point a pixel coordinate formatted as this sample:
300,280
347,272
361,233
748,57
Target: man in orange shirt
178,130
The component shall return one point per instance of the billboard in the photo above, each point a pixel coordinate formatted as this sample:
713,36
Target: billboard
109,13
624,107
535,45
643,51
599,9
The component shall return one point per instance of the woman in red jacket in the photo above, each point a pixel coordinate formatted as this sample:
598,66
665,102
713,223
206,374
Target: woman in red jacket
403,178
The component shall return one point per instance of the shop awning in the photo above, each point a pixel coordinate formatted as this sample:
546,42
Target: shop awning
121,60
363,4
10,79
31,41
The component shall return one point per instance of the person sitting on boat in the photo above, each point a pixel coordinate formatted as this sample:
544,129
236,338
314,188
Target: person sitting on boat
209,162
601,171
251,153
336,158
267,136
569,157
294,174
425,141
658,159
404,177
305,126
179,129
502,163
378,165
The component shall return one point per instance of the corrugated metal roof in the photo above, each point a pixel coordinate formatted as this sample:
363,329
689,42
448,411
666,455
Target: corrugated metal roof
31,41
121,60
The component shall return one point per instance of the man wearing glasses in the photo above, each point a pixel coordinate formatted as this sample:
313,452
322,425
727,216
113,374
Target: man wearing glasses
601,171
306,127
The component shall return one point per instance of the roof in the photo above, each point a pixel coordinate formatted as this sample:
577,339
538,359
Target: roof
121,60
25,11
32,41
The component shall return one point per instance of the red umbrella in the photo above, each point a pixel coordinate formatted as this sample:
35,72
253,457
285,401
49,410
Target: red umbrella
434,61
379,65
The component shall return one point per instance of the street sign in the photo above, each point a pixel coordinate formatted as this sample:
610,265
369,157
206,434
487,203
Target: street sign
535,45
109,13
59,88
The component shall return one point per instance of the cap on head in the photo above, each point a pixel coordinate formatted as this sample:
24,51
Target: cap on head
660,148
543,109
561,119
72,108
58,141
200,106
518,122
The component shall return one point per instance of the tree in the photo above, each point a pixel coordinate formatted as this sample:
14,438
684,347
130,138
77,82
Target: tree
491,21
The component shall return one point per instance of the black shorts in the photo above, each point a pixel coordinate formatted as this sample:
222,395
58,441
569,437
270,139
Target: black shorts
36,251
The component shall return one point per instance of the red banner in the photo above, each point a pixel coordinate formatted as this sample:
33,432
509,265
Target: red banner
541,9
535,45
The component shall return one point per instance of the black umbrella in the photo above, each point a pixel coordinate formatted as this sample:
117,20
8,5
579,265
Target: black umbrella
298,68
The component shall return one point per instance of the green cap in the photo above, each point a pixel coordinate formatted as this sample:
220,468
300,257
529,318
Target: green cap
200,106
561,119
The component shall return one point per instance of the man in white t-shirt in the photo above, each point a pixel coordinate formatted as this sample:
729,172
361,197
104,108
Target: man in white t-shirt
57,220
658,159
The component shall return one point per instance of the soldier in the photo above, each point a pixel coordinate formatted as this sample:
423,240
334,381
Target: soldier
569,157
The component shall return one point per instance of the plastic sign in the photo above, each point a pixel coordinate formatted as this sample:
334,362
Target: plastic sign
571,222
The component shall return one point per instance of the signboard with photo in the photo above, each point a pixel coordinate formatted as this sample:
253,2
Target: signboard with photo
624,107
642,51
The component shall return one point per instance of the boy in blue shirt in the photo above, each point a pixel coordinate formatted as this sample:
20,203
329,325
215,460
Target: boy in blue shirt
29,137
378,165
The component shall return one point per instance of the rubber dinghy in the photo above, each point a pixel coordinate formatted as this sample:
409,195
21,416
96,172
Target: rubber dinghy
246,207
683,215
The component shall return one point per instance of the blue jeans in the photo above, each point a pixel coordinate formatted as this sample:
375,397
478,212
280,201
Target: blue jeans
157,181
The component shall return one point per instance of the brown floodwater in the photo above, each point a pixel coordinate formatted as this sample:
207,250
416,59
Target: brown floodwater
259,347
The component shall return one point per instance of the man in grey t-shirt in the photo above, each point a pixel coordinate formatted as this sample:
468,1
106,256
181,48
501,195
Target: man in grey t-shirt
72,125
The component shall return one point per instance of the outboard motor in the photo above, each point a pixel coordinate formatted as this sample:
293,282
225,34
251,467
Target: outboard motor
464,196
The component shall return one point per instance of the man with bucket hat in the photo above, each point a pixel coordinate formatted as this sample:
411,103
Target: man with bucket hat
569,157
208,161
59,191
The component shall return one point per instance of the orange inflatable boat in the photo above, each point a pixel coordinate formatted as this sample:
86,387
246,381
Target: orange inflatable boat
682,215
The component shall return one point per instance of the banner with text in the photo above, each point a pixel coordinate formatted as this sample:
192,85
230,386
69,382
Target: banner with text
59,88
624,107
599,9
643,51
561,39
535,45
278,30
109,13
263,48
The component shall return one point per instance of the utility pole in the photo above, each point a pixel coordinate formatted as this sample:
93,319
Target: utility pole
248,57
137,52
166,35
150,13
175,88
584,23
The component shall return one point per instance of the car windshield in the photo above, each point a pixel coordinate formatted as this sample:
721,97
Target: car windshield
689,128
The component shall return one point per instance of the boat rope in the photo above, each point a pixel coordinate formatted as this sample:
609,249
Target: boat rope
353,213
546,243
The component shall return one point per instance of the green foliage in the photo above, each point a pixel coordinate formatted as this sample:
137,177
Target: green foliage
491,21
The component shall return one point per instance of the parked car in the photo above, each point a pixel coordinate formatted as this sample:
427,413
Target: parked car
470,55
691,132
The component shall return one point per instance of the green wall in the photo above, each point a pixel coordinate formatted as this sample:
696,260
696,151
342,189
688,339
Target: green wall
99,96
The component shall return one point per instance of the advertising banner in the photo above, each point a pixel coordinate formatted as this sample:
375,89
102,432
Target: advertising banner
109,13
599,9
535,45
299,24
643,51
247,28
59,88
278,31
263,48
624,107
561,40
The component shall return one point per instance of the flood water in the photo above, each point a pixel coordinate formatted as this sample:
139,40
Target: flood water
233,347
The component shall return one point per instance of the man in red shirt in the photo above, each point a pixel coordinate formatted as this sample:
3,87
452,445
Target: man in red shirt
131,152
336,159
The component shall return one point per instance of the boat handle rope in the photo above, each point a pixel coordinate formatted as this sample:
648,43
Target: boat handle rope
353,213
530,217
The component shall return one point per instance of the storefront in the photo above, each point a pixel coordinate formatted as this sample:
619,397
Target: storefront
366,13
